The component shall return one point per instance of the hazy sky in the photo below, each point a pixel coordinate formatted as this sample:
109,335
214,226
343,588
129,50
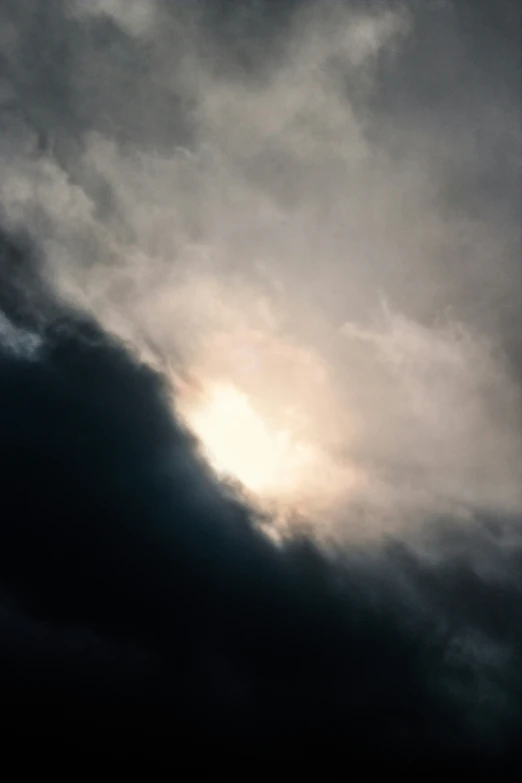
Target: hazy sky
319,196
291,231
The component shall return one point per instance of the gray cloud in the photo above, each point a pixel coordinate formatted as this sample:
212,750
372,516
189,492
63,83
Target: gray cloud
320,203
362,153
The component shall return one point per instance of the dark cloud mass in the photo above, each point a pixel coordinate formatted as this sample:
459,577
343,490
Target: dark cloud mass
141,598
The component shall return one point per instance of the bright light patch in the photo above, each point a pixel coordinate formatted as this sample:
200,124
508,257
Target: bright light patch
240,443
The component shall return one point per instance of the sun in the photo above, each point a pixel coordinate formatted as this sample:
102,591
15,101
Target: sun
241,444
274,452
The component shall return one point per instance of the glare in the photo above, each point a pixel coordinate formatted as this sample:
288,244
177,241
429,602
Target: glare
239,442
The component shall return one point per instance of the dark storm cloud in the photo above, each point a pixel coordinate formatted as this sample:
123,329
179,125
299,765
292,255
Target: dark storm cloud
111,522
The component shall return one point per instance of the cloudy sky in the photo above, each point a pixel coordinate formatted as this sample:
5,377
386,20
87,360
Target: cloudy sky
260,321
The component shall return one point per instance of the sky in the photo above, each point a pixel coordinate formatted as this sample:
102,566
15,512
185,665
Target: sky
260,323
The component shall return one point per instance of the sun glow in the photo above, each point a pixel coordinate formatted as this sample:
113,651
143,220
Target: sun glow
239,443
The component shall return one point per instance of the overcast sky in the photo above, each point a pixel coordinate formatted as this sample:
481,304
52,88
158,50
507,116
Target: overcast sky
318,204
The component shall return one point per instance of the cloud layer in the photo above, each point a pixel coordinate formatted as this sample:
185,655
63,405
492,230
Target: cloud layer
243,190
318,203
